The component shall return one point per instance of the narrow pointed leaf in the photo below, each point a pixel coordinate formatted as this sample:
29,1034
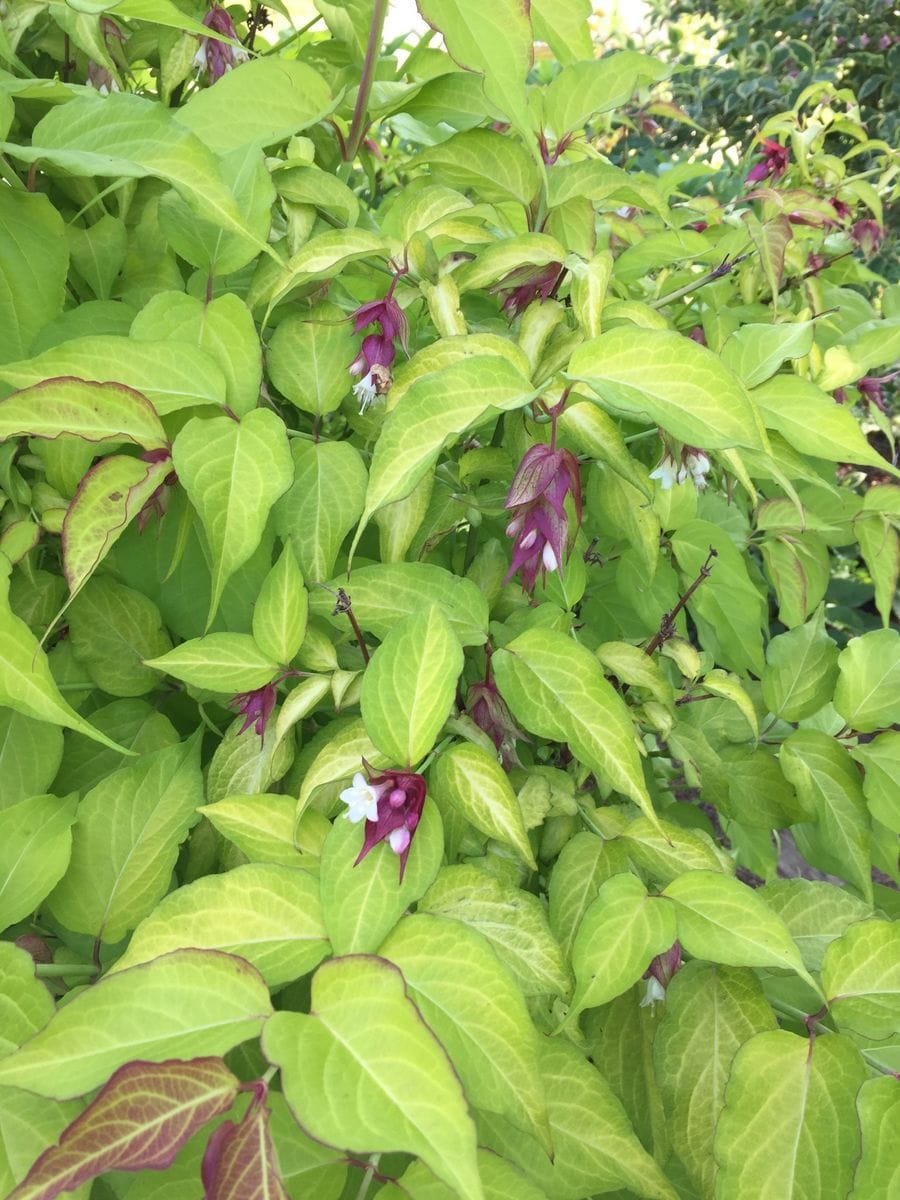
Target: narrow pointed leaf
139,1121
279,615
242,1162
97,412
363,1033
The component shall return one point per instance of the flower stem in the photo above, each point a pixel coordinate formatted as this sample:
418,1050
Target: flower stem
373,49
368,1177
60,970
724,268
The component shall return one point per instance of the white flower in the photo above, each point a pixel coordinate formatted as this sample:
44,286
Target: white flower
655,991
667,473
361,800
399,839
698,465
366,392
549,558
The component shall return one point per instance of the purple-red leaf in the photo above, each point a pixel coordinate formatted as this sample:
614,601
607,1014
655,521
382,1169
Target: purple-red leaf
138,1121
240,1162
108,498
97,412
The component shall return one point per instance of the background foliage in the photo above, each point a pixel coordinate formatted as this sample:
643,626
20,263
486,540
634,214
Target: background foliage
472,436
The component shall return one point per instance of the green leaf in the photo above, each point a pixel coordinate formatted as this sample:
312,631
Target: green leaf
269,915
409,686
321,506
755,352
469,780
35,844
221,328
340,757
472,1004
25,1003
126,135
385,593
125,842
877,1172
495,167
499,1178
433,411
535,670
879,544
171,375
263,828
221,662
867,695
322,257
663,851
97,412
98,253
799,570
657,376
365,1033
563,25
112,629
829,788
728,609
585,862
880,759
30,754
509,254
710,1012
789,1126
724,921
621,931
870,345
279,616
632,666
34,261
187,1004
494,40
28,1126
26,681
622,507
861,977
135,723
606,186
586,89
814,913
513,922
362,902
813,423
801,670
244,764
233,472
109,497
266,102
308,359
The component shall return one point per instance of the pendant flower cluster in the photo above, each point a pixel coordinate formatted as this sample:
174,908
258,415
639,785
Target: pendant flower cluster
488,710
525,284
390,804
215,57
256,707
377,353
659,974
539,525
774,162
691,464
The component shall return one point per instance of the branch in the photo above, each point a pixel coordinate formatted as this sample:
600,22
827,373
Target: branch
667,623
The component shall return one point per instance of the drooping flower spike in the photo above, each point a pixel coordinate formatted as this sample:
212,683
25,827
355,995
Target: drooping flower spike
691,464
539,524
256,706
391,805
774,162
215,57
378,351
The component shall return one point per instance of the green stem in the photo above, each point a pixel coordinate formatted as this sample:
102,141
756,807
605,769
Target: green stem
696,284
279,46
60,970
368,1177
373,49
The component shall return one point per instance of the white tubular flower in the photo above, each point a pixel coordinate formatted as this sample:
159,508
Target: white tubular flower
666,472
655,992
366,392
548,557
698,465
361,800
399,839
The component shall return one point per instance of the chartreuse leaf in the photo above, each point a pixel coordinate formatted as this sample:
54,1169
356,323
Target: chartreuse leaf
28,1125
35,844
813,423
586,89
267,914
322,504
592,431
97,412
473,782
435,409
513,922
801,670
828,786
722,920
861,977
307,358
595,1149
134,137
868,345
30,754
323,256
472,1004
663,377
880,759
233,472
878,1170
621,931
26,682
108,498
494,40
188,1003
499,1179
789,1126
363,1033
264,828
279,615
867,695
172,375
138,1121
221,662
300,702
664,851
111,630
815,914
563,25
535,669
384,593
585,862
362,902
34,261
339,759
125,841
25,1003
496,167
410,684
710,1012
500,258
755,352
